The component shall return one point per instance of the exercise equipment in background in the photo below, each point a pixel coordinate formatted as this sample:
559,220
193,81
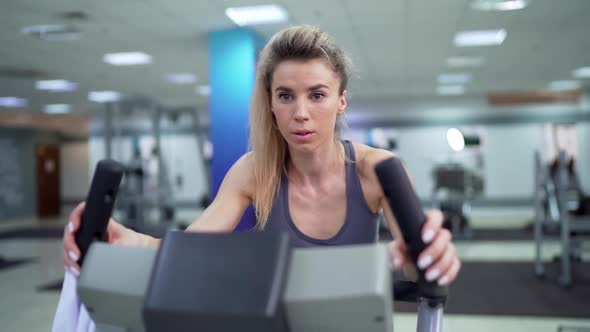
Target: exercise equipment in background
455,188
560,207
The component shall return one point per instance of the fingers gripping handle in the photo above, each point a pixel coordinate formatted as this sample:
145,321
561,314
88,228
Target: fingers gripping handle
99,204
408,212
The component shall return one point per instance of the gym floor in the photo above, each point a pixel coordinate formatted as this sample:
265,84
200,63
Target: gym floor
26,306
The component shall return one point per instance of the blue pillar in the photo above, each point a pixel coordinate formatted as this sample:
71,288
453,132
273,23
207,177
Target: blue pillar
232,72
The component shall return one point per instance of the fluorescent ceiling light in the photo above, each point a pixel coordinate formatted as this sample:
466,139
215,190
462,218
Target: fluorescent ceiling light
43,28
564,85
53,32
58,109
583,72
498,5
56,85
104,96
455,78
181,78
203,90
450,90
480,38
253,15
455,139
465,61
12,102
127,59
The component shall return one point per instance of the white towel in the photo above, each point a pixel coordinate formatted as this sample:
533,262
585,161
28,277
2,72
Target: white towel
71,315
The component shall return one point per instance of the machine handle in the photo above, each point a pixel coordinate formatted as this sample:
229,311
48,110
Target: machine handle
405,205
99,204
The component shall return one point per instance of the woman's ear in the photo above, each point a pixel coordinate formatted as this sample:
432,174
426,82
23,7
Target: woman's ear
343,103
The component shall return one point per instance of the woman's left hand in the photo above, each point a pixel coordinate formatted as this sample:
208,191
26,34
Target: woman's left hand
439,259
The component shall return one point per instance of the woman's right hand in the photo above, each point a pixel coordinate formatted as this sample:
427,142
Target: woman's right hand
116,234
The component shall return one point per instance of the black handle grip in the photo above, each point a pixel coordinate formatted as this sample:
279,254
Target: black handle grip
99,204
406,208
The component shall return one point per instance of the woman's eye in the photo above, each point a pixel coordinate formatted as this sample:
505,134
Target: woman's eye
285,97
317,96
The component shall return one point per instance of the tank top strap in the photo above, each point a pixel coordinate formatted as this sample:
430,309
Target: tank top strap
354,189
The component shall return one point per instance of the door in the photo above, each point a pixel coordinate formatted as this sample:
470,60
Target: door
48,182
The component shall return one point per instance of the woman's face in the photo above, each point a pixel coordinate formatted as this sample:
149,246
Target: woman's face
305,101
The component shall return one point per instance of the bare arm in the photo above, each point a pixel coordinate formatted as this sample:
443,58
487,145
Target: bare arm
234,196
373,157
232,199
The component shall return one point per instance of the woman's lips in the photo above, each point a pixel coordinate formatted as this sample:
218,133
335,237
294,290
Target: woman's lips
303,135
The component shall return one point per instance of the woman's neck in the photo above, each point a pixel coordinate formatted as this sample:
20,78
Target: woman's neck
310,167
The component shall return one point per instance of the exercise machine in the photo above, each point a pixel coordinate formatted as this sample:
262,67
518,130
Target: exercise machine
557,197
257,281
455,187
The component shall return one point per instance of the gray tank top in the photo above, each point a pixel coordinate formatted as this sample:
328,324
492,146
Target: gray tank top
360,224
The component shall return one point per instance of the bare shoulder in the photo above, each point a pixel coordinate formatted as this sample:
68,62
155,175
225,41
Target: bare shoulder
241,174
367,157
246,161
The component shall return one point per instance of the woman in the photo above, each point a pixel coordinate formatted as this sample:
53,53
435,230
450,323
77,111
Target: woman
300,177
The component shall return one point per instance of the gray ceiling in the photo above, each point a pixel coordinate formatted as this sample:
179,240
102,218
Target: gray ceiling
399,47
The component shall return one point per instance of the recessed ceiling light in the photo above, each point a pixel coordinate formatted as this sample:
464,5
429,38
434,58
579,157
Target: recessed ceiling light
181,78
464,61
203,90
450,90
127,58
12,102
58,109
56,85
564,85
252,15
498,5
583,72
480,38
104,96
454,78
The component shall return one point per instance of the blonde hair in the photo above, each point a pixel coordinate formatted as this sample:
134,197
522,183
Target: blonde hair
268,146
